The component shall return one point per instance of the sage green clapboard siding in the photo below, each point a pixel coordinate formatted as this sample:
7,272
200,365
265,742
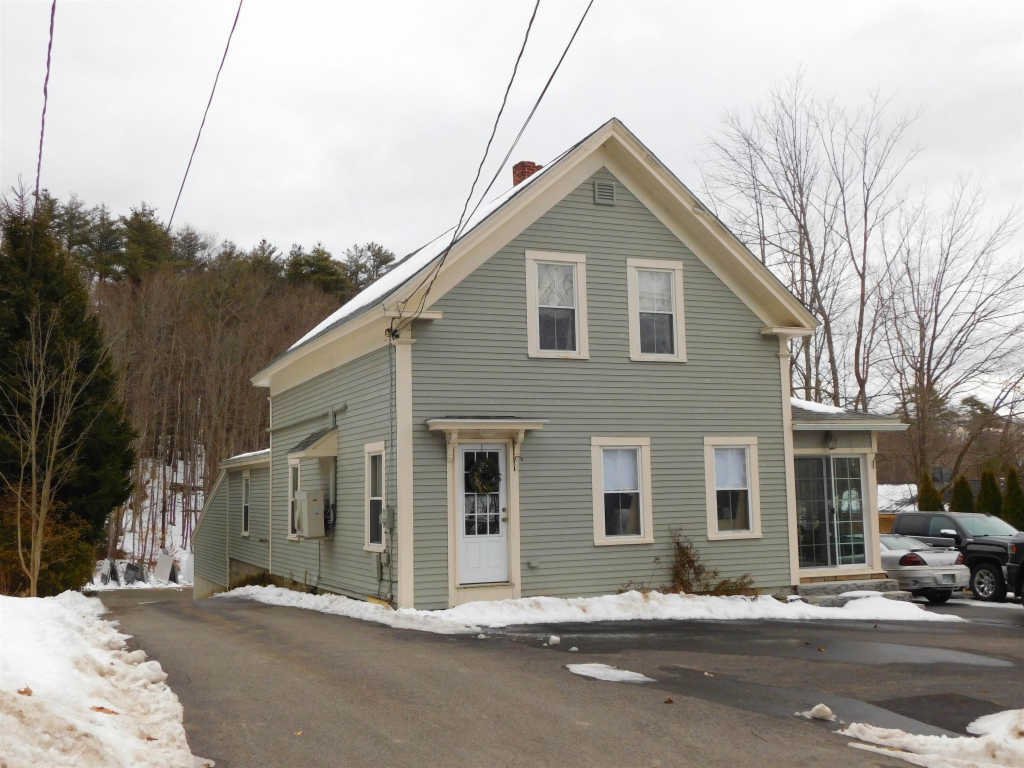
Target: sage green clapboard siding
474,362
209,544
358,392
844,441
253,548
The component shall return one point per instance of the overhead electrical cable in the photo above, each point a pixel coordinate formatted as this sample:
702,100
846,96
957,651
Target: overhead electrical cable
494,130
46,97
206,111
432,276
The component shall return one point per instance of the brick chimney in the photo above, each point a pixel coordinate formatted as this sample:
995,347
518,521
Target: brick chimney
523,170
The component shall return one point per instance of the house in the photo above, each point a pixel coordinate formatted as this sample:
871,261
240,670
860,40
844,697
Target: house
596,365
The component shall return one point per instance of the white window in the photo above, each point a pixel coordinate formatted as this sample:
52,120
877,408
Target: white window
733,495
556,304
621,472
293,490
655,297
373,502
245,503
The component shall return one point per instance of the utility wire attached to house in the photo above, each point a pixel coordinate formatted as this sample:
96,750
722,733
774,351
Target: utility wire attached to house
487,149
431,277
206,111
46,96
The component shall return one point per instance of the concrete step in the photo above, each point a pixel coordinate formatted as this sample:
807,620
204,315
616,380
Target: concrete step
838,593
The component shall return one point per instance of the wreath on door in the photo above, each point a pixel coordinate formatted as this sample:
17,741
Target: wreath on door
483,477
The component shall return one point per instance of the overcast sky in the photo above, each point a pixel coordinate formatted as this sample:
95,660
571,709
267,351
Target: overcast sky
345,122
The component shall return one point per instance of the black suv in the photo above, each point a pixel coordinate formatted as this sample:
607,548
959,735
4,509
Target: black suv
993,549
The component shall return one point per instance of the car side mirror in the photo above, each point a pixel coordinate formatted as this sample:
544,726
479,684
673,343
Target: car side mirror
950,534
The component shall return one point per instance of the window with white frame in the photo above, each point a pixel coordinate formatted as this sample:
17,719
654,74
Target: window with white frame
621,472
733,495
655,298
293,491
245,503
374,497
556,299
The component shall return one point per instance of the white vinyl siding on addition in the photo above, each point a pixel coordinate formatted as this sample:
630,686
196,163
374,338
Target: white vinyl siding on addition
373,502
621,473
733,488
556,304
655,299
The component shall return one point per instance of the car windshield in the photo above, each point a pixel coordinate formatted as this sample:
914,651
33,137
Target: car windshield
902,542
986,526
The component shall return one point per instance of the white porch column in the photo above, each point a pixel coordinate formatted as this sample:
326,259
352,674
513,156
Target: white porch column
790,457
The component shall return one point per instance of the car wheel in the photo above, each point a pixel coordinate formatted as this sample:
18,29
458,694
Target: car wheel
938,596
987,583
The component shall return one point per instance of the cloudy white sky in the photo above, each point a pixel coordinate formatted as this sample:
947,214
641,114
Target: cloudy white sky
345,121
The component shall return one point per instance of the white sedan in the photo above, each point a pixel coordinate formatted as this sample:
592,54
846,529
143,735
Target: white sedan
923,570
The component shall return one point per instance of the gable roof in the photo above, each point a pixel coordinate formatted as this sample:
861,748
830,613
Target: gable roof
500,219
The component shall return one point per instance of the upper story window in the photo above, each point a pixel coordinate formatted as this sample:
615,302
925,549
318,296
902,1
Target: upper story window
556,304
656,322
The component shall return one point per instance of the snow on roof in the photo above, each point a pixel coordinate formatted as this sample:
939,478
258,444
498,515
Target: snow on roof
419,259
249,455
899,497
809,405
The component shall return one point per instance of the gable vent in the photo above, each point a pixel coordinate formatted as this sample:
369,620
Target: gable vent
604,193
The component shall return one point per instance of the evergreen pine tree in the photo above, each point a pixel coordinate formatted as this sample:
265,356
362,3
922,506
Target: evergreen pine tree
1013,499
928,498
963,496
990,500
36,275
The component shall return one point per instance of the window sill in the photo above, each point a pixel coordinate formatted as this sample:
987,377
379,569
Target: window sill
650,358
374,548
553,355
619,541
245,534
294,537
727,535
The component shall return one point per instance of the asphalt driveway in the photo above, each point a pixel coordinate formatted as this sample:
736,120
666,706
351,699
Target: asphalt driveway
271,686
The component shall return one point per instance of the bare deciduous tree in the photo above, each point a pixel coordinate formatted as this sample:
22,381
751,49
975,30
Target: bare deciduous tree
43,392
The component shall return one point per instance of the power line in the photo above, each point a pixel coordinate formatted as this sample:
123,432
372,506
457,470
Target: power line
46,95
206,111
444,254
490,139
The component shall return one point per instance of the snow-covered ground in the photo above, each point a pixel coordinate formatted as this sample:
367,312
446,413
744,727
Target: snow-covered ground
72,695
102,582
897,497
470,617
998,743
609,673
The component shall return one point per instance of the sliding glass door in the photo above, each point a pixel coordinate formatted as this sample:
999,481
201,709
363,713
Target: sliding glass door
830,511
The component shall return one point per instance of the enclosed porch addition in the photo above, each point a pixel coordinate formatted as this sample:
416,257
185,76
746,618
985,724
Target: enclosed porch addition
836,507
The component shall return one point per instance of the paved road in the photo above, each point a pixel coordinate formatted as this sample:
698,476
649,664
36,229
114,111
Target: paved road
270,686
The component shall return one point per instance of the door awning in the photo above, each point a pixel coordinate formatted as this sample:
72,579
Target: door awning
319,444
484,428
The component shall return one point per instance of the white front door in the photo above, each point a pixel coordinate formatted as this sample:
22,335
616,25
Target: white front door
483,514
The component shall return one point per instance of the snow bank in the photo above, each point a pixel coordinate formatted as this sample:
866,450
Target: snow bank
998,743
897,497
72,695
627,606
609,673
810,405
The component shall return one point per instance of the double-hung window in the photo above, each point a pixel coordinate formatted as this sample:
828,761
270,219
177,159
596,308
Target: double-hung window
621,470
731,479
373,502
656,323
293,492
245,503
556,303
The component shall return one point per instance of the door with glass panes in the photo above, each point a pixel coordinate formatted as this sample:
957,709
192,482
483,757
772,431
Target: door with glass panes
830,511
483,515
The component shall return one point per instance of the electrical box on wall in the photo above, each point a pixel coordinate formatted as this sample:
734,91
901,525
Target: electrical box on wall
310,522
